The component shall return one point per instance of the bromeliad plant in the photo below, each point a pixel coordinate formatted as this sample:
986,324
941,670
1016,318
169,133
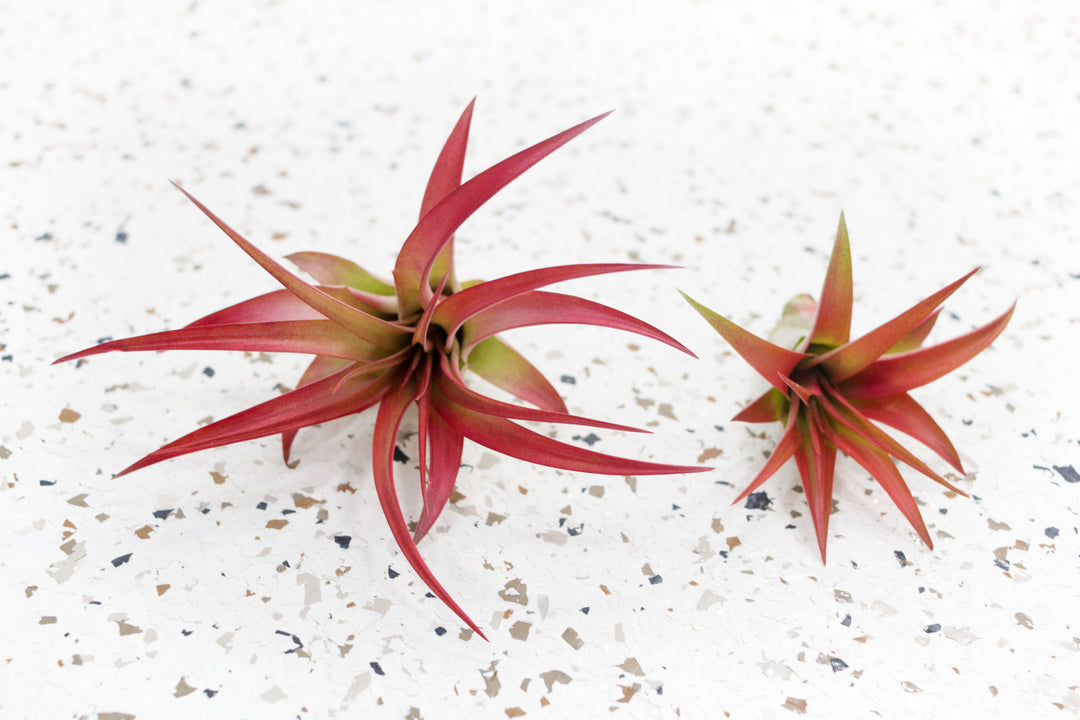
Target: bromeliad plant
410,342
827,389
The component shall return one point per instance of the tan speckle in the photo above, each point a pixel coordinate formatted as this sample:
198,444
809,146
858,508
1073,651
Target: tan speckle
515,591
514,712
492,685
144,532
632,666
709,454
994,525
717,526
47,620
842,596
596,491
67,415
910,686
1023,619
182,688
733,542
128,629
796,705
628,692
667,411
494,519
346,487
304,502
554,676
571,637
219,478
277,523
520,630
78,501
161,589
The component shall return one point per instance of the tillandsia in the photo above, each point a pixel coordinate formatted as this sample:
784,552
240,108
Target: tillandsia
829,390
410,341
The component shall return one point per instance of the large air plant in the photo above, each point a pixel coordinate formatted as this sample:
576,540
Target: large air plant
410,342
828,389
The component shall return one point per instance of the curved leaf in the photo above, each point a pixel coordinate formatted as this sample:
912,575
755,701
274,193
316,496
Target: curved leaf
418,253
317,337
771,361
545,308
904,371
454,310
391,410
380,333
508,370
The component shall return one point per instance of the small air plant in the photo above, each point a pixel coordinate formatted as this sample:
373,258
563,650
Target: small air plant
827,389
410,342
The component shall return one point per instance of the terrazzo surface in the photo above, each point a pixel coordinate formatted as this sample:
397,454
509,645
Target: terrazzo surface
227,585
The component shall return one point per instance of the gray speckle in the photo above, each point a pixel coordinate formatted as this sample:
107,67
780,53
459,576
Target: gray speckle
1068,473
757,501
932,628
837,664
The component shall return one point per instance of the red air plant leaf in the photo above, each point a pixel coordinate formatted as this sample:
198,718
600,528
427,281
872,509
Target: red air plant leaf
827,388
410,342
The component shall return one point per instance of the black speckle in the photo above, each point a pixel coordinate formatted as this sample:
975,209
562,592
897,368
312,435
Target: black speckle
105,339
846,622
46,483
757,501
286,563
121,237
295,639
656,580
1051,532
943,511
5,276
185,633
568,379
719,427
118,561
377,668
440,631
674,507
43,237
343,541
208,371
575,531
837,664
585,610
261,506
921,589
392,572
400,456
288,511
789,526
429,596
562,521
590,439
10,358
723,554
660,690
210,693
162,514
1068,473
966,422
932,628
1003,564
901,558
205,511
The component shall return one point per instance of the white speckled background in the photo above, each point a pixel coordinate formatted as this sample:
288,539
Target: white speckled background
220,584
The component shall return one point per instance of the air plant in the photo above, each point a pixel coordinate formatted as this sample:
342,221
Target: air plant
828,389
410,341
